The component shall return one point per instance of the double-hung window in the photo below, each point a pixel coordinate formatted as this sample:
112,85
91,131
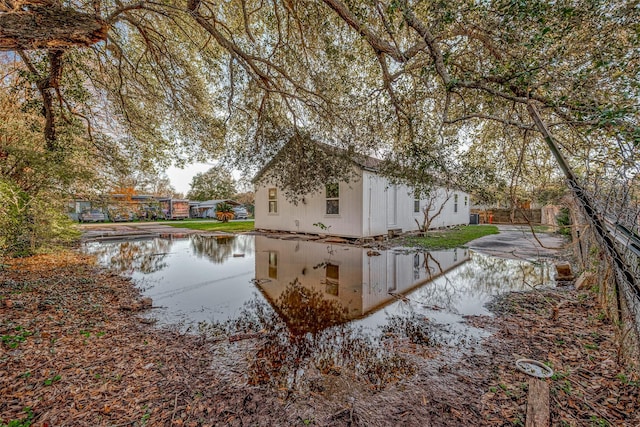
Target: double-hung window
273,201
333,199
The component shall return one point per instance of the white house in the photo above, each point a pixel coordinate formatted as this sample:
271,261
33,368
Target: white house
367,206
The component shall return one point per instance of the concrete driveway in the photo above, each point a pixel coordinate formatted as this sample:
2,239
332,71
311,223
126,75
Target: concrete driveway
519,242
138,230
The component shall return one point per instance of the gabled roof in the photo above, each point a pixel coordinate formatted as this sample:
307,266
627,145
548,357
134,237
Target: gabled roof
363,161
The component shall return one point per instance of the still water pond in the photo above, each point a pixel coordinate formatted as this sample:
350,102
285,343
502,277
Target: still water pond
312,286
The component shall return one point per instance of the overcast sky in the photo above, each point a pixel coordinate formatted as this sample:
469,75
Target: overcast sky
181,178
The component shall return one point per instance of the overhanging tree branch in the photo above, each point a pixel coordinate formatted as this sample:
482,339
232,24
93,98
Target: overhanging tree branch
50,27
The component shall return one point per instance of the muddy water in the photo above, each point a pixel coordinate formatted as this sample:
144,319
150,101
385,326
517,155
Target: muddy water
323,308
207,278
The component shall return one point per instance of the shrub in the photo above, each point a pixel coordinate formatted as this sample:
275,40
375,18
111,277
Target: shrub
564,222
29,223
224,212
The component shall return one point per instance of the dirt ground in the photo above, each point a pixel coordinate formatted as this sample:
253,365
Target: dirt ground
76,351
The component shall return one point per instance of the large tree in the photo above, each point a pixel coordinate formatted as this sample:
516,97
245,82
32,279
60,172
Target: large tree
216,183
402,77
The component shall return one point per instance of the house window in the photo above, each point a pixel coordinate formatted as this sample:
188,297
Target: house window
333,199
273,265
416,205
333,272
455,203
333,279
273,200
465,200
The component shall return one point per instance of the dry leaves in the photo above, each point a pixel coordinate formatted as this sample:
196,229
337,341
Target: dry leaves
72,356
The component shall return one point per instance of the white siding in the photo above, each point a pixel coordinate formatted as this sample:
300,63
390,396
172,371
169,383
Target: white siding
374,204
449,215
366,209
379,216
312,210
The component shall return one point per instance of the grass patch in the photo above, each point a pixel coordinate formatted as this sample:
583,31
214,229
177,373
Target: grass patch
542,229
452,238
233,226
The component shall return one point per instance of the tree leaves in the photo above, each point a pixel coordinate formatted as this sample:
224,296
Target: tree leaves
216,183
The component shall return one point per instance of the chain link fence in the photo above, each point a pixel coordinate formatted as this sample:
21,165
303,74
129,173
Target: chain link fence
609,245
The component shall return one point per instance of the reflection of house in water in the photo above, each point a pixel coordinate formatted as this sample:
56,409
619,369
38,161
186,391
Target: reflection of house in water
360,280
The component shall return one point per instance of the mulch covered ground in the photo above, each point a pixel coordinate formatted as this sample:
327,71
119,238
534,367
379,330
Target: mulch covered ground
76,352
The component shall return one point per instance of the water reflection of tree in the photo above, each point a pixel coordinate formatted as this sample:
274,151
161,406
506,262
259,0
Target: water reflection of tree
145,256
305,333
306,310
444,293
219,248
491,275
482,278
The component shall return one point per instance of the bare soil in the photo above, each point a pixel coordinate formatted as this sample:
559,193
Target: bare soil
75,351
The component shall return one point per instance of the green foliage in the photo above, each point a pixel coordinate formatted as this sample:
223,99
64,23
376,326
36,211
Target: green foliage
224,207
13,341
452,238
624,379
235,226
564,222
29,223
304,166
321,226
54,379
23,422
224,212
214,184
14,237
34,181
190,81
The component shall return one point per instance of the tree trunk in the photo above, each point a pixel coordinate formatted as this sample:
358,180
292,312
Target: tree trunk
50,28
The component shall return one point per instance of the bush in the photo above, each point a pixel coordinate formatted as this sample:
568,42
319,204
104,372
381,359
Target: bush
224,212
29,223
564,222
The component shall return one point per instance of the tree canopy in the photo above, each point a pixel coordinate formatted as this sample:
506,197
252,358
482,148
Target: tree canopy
216,183
415,82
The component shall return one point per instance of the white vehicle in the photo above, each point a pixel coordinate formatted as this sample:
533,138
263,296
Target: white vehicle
92,215
240,212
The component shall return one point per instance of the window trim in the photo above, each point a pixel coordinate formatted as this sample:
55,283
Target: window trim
335,198
272,201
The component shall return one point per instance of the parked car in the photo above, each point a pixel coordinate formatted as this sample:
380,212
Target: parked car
92,215
240,212
123,217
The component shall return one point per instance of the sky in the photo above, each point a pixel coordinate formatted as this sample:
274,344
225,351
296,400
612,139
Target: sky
181,178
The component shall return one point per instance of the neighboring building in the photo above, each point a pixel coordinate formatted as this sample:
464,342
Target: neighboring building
367,206
174,208
207,209
117,207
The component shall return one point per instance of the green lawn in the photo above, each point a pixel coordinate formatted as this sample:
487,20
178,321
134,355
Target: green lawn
233,226
452,238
